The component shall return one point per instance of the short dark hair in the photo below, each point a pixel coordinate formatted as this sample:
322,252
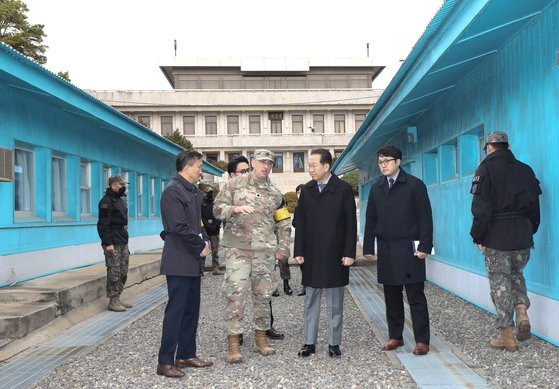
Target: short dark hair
186,157
499,145
390,151
325,156
232,165
299,187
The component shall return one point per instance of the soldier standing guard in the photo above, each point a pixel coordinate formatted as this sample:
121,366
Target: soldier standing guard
113,231
253,240
506,211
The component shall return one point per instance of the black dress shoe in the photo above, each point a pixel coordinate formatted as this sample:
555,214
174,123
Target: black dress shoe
302,292
272,333
287,288
306,350
334,351
275,293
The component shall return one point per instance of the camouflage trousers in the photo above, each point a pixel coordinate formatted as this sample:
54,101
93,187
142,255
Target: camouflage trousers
247,269
506,281
117,269
285,273
214,243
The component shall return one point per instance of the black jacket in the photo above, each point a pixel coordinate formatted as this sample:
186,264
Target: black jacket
211,224
505,206
326,231
182,229
112,225
398,217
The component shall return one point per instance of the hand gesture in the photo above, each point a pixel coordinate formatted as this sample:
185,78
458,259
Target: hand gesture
347,261
244,209
299,260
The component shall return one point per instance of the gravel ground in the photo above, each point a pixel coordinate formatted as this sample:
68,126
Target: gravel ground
128,358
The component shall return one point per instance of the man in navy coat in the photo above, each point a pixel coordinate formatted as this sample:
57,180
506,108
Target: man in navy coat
398,214
325,240
185,244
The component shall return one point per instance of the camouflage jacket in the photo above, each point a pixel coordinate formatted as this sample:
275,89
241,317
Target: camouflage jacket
258,230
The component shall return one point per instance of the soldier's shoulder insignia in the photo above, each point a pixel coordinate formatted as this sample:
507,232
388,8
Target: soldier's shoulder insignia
476,184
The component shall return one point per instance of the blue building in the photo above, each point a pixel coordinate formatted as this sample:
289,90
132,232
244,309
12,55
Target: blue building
58,146
480,66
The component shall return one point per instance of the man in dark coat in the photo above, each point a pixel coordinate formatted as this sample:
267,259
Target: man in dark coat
212,225
398,214
506,211
185,244
325,240
112,228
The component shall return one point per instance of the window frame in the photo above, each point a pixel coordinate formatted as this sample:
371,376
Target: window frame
32,184
64,211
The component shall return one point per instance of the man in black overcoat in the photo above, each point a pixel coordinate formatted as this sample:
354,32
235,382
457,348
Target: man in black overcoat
398,215
325,240
186,243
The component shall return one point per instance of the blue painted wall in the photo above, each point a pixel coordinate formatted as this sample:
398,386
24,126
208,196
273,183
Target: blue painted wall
515,90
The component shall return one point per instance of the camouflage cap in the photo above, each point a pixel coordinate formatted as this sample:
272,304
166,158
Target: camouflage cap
497,137
117,178
263,154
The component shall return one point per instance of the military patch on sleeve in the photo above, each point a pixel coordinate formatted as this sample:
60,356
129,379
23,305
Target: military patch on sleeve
104,206
476,185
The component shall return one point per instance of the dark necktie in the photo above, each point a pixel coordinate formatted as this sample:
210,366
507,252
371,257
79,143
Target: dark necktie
321,186
390,183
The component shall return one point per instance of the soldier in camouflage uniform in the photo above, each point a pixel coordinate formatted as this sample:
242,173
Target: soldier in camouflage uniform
113,231
506,214
285,273
253,239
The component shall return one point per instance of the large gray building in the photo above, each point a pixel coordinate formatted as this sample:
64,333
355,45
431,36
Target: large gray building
231,106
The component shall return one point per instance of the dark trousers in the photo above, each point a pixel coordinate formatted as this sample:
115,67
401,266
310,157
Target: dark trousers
181,319
395,311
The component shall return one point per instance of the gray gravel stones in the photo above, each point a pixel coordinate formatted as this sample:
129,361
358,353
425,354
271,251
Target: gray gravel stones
128,358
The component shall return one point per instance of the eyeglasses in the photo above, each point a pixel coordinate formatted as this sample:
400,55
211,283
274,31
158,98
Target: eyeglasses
385,162
244,171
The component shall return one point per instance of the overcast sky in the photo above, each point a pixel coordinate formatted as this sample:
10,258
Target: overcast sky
119,44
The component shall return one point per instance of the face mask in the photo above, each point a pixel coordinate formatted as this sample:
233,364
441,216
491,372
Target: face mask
122,191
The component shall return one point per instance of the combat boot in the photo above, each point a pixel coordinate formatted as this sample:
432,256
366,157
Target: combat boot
216,271
506,341
114,305
234,347
123,303
261,344
523,327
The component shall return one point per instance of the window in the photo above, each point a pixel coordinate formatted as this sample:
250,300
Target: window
152,196
211,157
232,124
163,185
449,160
275,126
359,118
231,82
296,82
318,81
85,187
106,175
254,124
431,163
233,154
140,194
297,124
337,153
188,127
58,186
278,163
144,121
481,147
24,178
338,81
274,82
339,124
211,125
318,123
298,162
253,82
209,82
166,125
359,81
187,81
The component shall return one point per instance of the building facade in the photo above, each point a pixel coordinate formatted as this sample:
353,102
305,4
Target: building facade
232,106
58,147
481,66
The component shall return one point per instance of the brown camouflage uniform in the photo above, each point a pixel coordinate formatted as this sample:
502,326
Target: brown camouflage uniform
506,282
117,268
250,244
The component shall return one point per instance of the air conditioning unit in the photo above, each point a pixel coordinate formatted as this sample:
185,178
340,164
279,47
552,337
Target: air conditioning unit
6,164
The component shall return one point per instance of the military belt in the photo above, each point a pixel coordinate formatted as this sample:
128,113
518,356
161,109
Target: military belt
508,215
